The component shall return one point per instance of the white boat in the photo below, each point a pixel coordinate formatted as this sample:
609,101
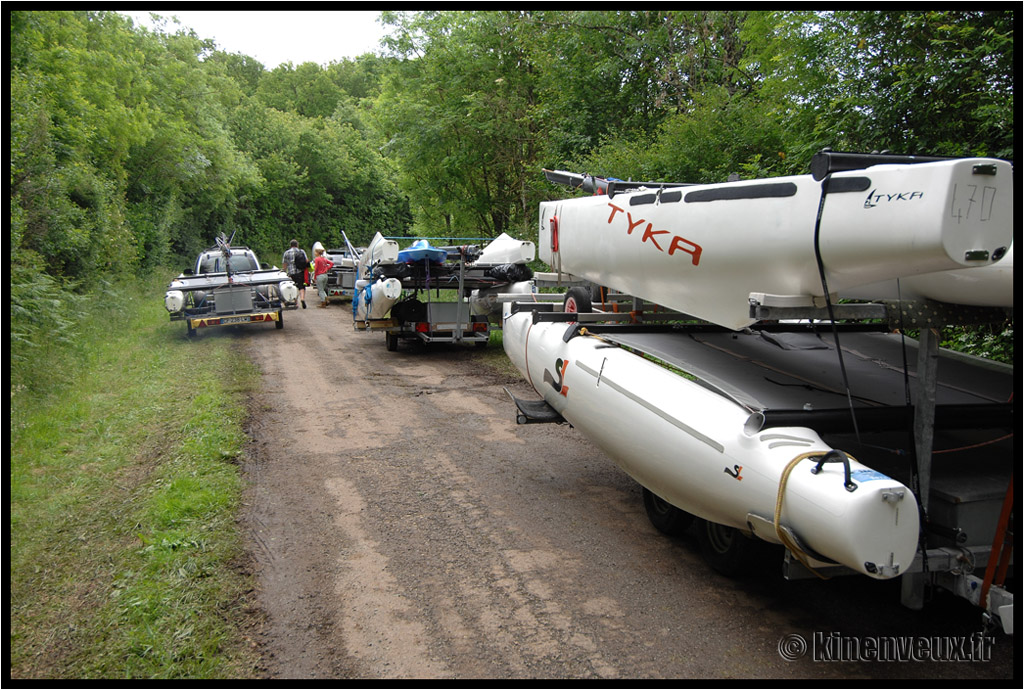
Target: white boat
504,249
705,453
704,249
500,251
379,251
374,300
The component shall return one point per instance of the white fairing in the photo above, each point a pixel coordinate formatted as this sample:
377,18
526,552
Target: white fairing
687,445
174,301
289,291
703,250
507,250
379,251
383,295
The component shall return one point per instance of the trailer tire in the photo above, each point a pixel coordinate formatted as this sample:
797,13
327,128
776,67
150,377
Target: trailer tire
665,517
391,342
279,324
727,550
577,301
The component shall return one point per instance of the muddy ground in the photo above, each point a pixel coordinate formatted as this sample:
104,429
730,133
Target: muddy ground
403,526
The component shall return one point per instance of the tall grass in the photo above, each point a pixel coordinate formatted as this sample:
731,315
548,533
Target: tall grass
125,558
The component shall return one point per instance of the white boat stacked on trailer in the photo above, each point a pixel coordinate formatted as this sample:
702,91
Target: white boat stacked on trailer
373,300
380,251
505,249
500,251
704,249
986,286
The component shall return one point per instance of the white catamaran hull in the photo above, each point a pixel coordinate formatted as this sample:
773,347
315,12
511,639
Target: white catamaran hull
374,301
504,249
704,249
688,445
986,286
484,302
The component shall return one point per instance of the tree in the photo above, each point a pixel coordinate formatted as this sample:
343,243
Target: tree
458,115
916,82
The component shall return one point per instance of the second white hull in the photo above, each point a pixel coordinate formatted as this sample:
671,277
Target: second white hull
688,445
986,286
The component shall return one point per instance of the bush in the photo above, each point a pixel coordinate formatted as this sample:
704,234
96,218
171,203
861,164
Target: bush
44,316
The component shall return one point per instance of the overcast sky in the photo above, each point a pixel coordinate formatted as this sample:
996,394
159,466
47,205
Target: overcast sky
276,37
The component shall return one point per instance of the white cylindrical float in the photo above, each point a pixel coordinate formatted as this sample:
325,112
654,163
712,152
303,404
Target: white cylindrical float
374,301
693,448
174,301
289,291
484,302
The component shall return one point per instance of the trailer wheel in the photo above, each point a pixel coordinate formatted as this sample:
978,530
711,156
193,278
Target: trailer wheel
577,301
726,549
665,517
279,324
391,341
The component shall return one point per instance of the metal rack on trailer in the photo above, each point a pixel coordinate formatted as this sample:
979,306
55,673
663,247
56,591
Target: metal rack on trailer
432,319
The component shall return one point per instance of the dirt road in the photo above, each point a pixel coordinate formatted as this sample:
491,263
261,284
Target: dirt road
403,526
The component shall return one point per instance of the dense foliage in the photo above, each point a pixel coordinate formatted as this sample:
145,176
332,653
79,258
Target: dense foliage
132,149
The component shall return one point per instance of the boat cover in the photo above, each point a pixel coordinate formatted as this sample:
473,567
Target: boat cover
791,370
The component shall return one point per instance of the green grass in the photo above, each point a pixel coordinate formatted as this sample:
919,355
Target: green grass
125,557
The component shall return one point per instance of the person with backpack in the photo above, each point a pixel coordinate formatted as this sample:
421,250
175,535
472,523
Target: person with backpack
295,265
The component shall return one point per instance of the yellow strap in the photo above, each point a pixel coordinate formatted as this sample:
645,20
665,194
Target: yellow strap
783,537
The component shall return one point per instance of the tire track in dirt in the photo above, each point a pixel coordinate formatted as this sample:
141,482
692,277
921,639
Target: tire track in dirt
344,413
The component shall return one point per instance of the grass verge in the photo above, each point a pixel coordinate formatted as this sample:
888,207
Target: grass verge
125,556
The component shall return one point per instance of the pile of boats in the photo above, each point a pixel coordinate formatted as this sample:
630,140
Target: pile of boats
396,288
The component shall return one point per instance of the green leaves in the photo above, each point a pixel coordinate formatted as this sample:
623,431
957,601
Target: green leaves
128,148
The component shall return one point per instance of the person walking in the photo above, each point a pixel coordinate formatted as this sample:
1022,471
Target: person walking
295,264
321,265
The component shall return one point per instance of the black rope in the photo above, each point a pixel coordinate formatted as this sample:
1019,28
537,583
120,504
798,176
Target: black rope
828,302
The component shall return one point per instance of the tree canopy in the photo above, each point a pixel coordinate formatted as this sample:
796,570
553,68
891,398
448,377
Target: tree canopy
132,149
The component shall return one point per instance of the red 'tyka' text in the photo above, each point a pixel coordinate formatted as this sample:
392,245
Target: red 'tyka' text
649,234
